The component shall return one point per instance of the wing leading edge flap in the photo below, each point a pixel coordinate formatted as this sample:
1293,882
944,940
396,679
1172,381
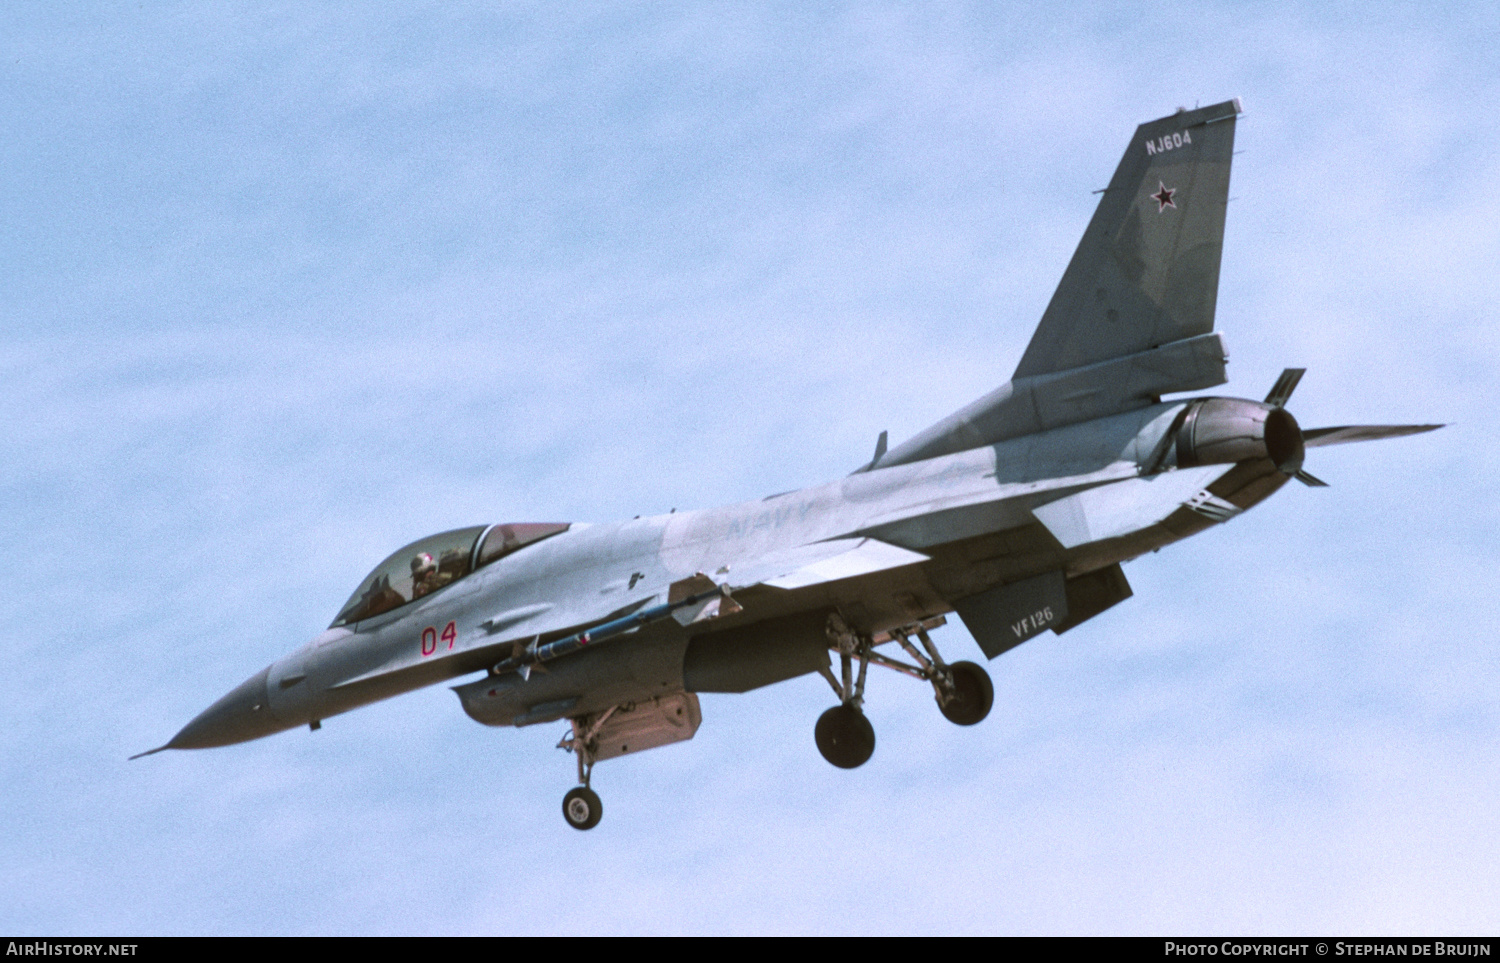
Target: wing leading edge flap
819,562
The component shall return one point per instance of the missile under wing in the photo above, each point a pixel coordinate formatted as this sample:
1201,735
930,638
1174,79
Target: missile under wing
1015,513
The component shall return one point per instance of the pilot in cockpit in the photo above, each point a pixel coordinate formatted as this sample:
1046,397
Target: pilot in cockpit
423,573
425,576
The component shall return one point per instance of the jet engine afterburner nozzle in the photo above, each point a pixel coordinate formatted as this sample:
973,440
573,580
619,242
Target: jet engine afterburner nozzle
1217,431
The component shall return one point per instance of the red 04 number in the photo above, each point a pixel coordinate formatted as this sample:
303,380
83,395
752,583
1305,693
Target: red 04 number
430,638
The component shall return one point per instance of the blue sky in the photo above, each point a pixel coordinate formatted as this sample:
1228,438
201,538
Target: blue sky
286,288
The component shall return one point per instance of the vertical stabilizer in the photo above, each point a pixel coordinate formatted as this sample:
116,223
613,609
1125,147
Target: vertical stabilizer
1147,270
1133,317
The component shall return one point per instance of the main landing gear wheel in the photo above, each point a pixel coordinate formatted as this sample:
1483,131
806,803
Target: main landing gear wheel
973,694
581,808
845,737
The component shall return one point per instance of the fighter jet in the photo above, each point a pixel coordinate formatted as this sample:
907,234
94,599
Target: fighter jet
1016,513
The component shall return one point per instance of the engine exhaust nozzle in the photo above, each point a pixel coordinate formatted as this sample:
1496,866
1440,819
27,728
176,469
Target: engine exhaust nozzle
1218,431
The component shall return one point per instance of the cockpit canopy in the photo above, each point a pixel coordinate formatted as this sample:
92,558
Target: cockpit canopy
430,563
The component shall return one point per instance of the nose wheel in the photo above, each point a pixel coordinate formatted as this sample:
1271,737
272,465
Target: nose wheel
582,808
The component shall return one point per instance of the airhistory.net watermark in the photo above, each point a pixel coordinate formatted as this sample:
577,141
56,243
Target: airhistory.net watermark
48,948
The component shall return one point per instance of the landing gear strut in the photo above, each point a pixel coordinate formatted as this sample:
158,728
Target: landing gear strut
964,691
845,737
581,806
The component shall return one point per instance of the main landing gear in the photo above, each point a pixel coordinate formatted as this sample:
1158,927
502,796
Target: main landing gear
845,737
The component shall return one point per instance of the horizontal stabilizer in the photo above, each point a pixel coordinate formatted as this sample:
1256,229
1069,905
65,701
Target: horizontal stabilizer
1318,437
1122,507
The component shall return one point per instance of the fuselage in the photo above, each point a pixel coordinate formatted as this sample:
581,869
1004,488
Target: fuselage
970,514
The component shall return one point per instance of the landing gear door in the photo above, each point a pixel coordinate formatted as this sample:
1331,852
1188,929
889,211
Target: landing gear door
1004,617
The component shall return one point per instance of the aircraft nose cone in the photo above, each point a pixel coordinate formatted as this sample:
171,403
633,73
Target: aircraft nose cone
242,715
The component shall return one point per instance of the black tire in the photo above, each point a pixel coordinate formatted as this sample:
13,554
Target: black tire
582,808
845,737
973,696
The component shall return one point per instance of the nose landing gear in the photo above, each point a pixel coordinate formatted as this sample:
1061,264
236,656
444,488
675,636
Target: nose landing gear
581,806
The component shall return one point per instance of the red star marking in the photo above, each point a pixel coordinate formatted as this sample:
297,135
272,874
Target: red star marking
1163,197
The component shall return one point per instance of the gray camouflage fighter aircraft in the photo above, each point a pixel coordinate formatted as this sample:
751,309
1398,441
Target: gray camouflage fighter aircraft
1016,512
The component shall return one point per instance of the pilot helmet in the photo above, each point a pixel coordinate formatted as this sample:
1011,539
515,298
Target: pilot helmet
421,563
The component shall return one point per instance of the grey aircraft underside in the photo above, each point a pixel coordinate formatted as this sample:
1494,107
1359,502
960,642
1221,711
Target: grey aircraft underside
1015,512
